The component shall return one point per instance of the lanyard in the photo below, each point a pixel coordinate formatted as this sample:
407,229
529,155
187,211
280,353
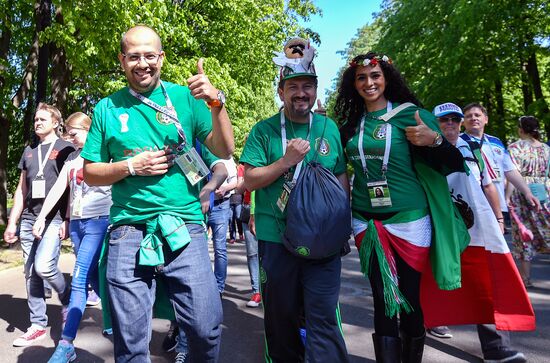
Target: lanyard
361,147
167,110
42,162
283,139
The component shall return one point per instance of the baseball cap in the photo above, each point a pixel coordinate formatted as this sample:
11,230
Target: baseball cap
296,59
447,108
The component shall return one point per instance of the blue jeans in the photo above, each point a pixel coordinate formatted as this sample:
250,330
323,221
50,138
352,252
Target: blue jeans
41,258
218,220
252,258
235,220
190,284
87,236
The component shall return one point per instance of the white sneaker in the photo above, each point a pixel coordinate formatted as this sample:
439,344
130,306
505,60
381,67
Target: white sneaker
33,334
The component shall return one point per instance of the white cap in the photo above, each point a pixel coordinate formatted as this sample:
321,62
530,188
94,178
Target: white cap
447,108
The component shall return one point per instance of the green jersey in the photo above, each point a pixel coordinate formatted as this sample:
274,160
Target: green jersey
123,126
405,191
264,147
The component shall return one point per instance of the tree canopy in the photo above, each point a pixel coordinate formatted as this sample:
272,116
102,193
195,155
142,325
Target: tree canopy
493,52
65,53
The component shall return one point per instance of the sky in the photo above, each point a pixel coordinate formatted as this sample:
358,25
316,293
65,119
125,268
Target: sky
337,26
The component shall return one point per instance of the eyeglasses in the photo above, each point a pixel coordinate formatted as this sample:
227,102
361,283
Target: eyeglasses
149,58
455,119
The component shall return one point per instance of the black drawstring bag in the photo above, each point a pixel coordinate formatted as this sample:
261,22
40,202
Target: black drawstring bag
318,218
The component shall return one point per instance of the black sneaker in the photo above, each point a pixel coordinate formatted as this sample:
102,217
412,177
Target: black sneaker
441,332
505,356
170,340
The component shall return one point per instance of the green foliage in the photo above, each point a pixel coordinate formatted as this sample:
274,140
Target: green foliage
465,51
235,37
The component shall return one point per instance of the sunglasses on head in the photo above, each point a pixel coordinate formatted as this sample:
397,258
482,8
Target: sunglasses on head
455,119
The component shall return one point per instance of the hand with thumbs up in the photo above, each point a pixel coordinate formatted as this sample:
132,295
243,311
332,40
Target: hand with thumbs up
320,109
200,85
420,135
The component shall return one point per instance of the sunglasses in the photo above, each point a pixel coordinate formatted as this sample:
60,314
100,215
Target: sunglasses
455,119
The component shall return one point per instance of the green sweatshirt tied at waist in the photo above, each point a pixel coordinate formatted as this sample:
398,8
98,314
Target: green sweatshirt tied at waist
167,228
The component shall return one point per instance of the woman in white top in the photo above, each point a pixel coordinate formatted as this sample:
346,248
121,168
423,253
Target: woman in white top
89,219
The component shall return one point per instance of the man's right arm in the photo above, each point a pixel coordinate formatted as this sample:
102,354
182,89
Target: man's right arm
16,210
260,177
147,163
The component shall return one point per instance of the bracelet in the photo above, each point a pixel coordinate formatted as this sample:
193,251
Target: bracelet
500,219
130,167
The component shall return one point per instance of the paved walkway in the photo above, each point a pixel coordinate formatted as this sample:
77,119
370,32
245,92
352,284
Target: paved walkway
242,340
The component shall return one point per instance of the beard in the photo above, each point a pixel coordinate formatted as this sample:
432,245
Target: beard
298,112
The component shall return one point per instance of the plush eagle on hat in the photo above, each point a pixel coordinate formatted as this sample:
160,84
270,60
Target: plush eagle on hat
296,59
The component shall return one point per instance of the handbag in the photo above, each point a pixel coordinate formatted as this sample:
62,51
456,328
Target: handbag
539,189
245,213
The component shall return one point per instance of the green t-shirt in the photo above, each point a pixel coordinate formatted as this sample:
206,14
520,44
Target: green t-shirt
264,147
123,126
405,190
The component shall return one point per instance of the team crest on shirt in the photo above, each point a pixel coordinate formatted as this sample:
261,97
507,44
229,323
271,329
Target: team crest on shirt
124,122
164,119
379,132
323,146
53,154
497,150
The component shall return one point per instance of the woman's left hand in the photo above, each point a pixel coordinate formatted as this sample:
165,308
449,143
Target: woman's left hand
64,230
420,135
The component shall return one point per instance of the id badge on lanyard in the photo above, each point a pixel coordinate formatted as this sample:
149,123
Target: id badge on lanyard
285,194
190,162
77,206
192,166
39,188
379,191
39,183
494,164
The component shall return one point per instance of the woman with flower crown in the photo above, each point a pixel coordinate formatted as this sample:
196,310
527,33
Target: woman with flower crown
394,233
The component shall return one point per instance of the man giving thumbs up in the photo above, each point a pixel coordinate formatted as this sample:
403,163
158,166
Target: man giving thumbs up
137,136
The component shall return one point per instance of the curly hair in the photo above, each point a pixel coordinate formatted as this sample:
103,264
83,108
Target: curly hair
350,106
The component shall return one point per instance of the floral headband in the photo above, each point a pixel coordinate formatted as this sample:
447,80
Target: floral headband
371,61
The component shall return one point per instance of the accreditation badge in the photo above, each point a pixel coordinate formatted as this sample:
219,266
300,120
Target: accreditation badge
379,193
77,205
193,166
285,194
498,174
39,188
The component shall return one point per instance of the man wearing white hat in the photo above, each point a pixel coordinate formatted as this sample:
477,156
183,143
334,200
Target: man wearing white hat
293,287
478,192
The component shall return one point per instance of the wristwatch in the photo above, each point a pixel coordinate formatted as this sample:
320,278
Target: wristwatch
219,102
438,140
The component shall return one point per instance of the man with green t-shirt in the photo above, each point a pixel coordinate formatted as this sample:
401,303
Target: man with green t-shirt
293,287
136,137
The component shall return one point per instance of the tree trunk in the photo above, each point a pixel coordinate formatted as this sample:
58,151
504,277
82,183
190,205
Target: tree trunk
43,20
4,132
534,77
61,77
525,87
5,40
499,99
61,73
